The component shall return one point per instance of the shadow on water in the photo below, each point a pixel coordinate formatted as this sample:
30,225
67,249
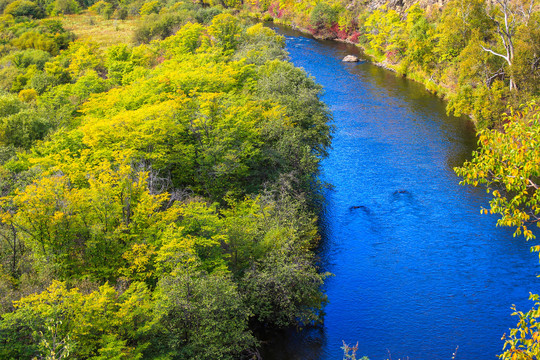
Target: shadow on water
418,270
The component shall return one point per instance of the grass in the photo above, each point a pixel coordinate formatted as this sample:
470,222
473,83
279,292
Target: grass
90,27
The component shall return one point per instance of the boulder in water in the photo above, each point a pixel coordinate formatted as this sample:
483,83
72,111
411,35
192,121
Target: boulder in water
350,58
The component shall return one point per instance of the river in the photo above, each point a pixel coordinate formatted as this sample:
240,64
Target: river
419,272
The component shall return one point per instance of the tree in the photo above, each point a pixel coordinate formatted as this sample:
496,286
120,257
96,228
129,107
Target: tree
24,8
61,320
203,316
323,15
508,164
507,14
12,248
385,31
526,65
523,342
152,186
283,289
225,30
459,20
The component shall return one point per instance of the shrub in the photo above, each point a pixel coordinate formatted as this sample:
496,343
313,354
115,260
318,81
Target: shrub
20,125
121,13
58,71
10,105
7,77
3,4
34,40
260,45
102,8
134,7
24,8
323,15
42,81
203,317
98,7
50,26
28,95
206,15
64,7
225,30
158,26
151,7
25,58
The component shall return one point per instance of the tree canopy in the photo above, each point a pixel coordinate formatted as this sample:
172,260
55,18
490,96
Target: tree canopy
156,201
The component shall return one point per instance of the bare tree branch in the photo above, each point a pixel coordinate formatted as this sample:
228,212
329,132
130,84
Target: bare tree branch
494,53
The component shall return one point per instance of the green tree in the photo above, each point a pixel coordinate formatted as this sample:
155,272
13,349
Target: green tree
523,341
61,320
507,16
507,163
323,15
203,316
24,8
283,289
225,30
384,30
458,21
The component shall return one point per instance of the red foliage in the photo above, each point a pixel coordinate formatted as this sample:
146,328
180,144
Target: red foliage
354,37
271,10
275,11
391,56
337,32
311,30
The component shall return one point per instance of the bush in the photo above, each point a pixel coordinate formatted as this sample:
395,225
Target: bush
260,45
33,40
283,290
203,316
64,7
3,4
7,77
134,7
121,13
10,105
58,71
24,8
63,101
42,81
158,26
28,95
25,58
323,15
102,8
225,30
51,26
206,15
22,125
151,7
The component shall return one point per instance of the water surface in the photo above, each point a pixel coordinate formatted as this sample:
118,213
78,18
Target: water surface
418,271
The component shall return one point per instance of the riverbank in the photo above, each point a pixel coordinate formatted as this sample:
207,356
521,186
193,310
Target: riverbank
367,55
428,244
428,83
442,49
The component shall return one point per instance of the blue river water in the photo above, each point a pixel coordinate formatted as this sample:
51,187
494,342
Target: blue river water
418,271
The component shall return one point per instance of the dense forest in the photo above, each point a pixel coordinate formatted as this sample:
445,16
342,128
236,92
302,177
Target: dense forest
159,191
158,199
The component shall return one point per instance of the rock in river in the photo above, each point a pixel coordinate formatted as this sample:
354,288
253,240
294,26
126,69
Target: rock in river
350,58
